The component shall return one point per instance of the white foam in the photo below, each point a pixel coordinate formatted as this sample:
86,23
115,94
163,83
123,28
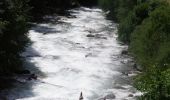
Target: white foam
72,70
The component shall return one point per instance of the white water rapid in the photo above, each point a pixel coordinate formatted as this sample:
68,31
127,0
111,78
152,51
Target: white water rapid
77,54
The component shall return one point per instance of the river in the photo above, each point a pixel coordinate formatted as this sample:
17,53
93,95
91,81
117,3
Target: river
77,54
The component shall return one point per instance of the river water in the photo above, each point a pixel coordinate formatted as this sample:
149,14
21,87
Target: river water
72,61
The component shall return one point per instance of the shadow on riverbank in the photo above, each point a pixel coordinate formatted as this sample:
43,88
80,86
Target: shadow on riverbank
17,82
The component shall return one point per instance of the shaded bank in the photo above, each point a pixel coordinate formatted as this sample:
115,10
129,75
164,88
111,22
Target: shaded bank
40,8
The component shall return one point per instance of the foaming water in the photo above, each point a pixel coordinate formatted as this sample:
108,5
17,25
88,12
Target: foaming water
74,62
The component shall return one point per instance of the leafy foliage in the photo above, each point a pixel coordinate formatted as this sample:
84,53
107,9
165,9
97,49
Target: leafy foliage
45,7
13,37
145,26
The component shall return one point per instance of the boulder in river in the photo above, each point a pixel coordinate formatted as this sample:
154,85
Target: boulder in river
130,95
109,96
137,67
99,36
90,35
124,52
126,73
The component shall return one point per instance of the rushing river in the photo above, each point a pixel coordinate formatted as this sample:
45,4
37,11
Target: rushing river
76,54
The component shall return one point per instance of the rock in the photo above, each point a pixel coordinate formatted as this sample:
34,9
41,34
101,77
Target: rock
120,87
90,35
81,96
123,62
104,38
124,52
110,96
89,54
125,73
71,16
99,36
130,95
137,67
101,99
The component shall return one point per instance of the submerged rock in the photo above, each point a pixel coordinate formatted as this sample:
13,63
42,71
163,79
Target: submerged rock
99,36
137,67
90,35
110,96
124,52
130,95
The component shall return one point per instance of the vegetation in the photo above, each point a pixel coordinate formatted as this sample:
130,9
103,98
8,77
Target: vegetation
13,38
44,7
88,3
145,26
151,48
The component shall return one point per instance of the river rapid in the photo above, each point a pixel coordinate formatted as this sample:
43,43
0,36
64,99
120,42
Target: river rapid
77,54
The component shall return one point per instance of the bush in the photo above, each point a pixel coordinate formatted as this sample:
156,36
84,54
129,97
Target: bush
13,34
145,26
150,45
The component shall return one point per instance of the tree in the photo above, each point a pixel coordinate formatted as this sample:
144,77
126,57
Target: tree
150,45
13,37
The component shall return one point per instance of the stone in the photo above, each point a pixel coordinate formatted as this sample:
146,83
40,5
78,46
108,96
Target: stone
124,52
130,95
110,96
90,35
125,73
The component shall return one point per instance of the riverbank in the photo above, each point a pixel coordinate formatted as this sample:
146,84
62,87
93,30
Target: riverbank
144,26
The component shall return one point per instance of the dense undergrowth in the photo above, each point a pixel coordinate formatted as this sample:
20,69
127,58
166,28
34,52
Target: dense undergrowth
13,37
145,26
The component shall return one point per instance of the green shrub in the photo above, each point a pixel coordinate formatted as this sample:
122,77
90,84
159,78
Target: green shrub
13,34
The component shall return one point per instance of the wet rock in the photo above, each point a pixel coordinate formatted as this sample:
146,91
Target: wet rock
123,62
90,35
81,96
103,37
71,16
137,67
109,96
56,57
89,54
125,73
124,52
130,95
120,87
99,36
